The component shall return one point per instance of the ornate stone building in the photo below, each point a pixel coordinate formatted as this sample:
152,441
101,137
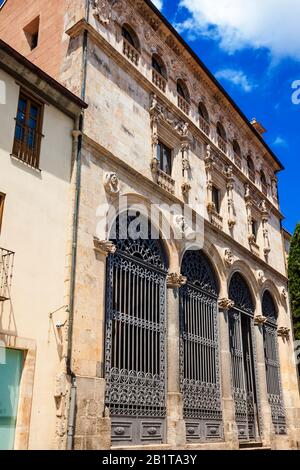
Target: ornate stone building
171,343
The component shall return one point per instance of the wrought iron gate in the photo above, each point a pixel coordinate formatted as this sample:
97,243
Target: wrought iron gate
135,338
199,350
274,388
243,360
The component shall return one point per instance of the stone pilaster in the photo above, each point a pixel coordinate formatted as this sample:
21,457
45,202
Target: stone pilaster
266,426
230,428
176,434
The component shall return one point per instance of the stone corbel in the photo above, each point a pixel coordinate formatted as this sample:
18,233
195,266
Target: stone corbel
284,332
259,320
261,278
175,281
284,294
226,304
105,247
228,257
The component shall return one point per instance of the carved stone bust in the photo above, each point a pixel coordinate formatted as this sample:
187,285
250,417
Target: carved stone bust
111,184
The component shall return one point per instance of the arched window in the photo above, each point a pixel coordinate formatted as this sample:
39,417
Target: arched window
182,90
251,169
243,360
274,388
221,131
159,72
131,44
199,348
236,148
159,66
129,34
237,153
263,181
222,137
135,362
203,118
203,112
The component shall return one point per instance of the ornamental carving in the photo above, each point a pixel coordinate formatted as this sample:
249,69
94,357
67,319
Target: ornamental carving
102,10
283,332
175,281
111,184
259,320
261,277
226,304
228,257
105,247
182,229
284,294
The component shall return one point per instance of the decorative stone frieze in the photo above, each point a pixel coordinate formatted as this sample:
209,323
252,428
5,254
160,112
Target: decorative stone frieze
102,10
105,247
226,304
175,281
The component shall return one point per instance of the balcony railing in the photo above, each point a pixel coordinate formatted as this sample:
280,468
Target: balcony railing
165,181
159,80
131,52
6,272
27,144
222,144
183,105
204,126
238,160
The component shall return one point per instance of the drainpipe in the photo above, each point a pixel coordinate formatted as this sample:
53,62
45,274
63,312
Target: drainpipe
70,372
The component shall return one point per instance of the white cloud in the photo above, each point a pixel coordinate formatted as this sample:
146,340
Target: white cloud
237,77
158,3
280,142
236,24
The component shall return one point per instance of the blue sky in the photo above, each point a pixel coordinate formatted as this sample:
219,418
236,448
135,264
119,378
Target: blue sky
253,48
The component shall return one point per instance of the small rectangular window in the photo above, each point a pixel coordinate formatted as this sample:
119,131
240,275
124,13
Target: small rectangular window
164,156
27,141
216,199
31,32
2,199
255,229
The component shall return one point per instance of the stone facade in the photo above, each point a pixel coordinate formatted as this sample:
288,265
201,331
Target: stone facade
130,110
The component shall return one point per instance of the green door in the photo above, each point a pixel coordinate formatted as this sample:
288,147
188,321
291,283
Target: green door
11,361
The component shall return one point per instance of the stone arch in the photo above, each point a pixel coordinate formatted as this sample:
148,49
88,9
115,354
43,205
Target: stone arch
243,269
270,286
167,239
129,33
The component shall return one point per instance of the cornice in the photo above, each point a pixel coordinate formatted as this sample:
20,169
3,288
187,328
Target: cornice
241,251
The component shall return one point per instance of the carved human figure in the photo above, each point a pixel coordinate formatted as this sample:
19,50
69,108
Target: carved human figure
111,184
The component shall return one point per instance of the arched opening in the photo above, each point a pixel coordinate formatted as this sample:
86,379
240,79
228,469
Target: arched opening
274,388
182,90
243,360
251,169
135,345
237,153
263,181
203,118
222,137
130,36
159,66
199,349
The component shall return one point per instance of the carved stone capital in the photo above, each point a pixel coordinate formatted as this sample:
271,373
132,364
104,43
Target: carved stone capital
259,320
175,281
226,304
105,247
283,332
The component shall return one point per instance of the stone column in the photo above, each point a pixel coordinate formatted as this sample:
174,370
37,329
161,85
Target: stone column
230,427
266,426
176,434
